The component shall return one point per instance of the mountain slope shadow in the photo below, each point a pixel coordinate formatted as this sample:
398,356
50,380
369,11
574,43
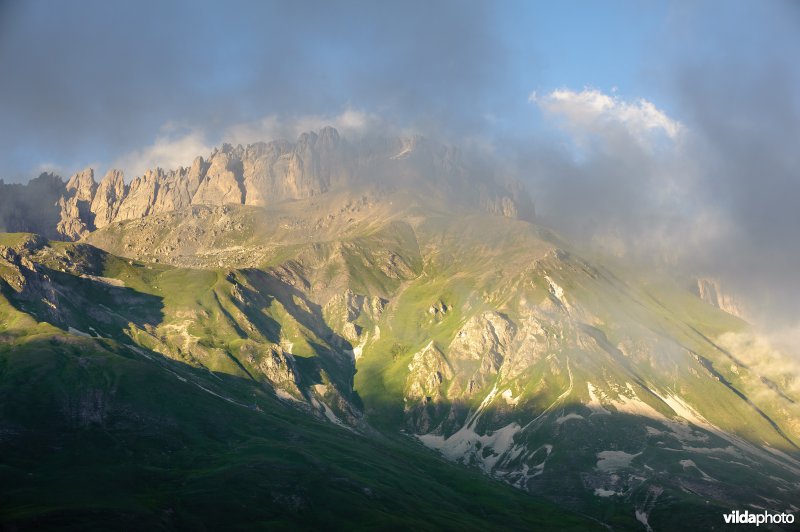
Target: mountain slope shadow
88,303
111,436
333,347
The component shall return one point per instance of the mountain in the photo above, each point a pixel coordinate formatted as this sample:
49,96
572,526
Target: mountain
264,174
368,333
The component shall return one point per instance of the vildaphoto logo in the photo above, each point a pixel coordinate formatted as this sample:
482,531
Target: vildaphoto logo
737,517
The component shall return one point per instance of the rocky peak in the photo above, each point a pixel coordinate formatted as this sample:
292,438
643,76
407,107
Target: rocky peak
329,136
223,180
197,167
266,173
114,179
82,185
76,217
306,140
108,197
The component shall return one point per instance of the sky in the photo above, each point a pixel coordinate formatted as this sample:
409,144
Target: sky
91,82
666,130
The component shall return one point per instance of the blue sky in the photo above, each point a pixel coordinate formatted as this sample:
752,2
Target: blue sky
572,43
88,82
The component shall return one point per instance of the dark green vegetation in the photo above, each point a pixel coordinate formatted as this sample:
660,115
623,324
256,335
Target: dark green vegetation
96,433
294,365
96,436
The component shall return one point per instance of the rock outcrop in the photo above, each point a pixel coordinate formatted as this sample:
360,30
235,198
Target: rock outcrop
75,205
223,180
107,198
711,291
266,173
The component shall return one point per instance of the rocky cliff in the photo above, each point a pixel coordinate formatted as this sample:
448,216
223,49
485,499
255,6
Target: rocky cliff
262,174
712,292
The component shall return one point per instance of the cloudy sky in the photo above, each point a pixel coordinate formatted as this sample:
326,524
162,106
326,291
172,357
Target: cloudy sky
667,130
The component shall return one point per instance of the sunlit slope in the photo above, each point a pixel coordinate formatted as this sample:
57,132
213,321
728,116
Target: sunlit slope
564,379
490,340
105,432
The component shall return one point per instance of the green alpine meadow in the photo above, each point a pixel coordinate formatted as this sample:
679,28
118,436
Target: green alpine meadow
372,355
435,265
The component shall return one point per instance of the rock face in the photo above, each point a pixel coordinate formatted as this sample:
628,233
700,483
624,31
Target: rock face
266,173
711,291
108,198
480,337
76,215
223,180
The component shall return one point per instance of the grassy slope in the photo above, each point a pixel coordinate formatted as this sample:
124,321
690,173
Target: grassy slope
95,435
96,438
480,263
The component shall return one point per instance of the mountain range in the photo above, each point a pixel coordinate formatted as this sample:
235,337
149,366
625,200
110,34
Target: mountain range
376,333
259,174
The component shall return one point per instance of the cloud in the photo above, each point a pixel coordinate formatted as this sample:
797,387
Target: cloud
593,113
776,356
623,182
713,194
96,81
169,151
693,161
177,146
351,122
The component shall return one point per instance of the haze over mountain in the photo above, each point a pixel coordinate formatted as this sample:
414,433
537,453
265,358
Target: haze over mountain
388,289
262,174
450,265
724,187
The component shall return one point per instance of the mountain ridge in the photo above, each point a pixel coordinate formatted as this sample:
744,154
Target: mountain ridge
383,309
266,173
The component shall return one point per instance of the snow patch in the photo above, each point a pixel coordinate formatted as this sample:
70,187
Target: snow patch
488,449
331,416
690,464
569,416
466,442
104,280
287,346
509,398
358,350
641,516
327,412
613,460
594,400
556,290
402,154
635,406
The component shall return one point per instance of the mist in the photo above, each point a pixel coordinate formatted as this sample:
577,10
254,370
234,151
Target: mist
682,155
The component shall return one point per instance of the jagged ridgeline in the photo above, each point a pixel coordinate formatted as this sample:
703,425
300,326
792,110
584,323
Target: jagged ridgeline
259,174
369,333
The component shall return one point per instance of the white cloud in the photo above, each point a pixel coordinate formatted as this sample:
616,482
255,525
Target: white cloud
591,113
174,147
351,122
169,151
49,167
